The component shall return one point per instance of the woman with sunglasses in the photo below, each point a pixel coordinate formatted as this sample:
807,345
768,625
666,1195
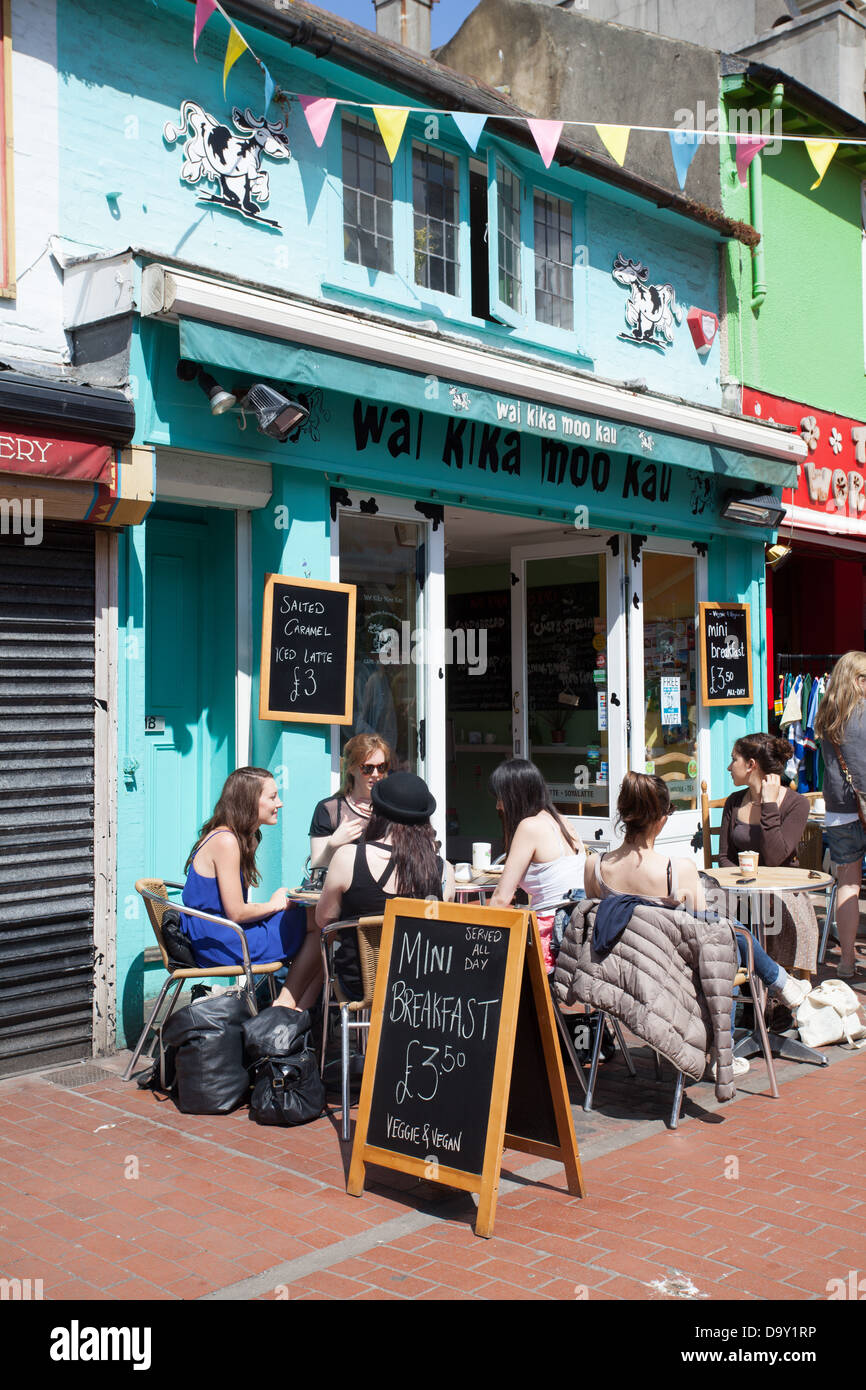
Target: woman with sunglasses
341,819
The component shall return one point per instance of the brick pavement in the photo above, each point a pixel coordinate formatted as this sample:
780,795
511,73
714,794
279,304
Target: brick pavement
109,1193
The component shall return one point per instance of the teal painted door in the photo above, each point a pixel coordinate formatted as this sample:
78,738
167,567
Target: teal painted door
190,681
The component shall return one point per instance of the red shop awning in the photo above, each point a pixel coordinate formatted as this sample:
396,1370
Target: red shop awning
46,456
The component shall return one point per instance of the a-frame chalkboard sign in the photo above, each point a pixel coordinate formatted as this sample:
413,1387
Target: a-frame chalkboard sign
463,1058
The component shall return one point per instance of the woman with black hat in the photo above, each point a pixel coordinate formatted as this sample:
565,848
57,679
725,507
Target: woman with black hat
396,858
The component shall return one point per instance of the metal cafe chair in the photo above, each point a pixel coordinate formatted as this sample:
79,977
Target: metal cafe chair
354,1013
154,891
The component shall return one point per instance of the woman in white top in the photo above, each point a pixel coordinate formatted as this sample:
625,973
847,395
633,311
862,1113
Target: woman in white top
544,857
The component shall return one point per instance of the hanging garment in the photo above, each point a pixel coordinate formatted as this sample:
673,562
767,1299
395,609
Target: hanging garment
810,762
793,712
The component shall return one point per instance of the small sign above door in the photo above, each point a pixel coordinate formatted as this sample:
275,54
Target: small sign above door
154,724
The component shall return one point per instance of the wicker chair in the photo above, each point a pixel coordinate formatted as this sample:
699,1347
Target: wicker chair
369,934
153,891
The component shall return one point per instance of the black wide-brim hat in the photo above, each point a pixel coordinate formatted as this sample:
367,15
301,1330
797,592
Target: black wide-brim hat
404,798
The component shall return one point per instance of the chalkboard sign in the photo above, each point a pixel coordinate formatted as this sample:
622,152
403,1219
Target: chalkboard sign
463,1056
308,651
726,653
560,657
487,612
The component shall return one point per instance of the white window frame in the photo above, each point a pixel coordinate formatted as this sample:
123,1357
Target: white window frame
431,677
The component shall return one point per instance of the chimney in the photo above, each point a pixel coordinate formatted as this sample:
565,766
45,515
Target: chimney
406,22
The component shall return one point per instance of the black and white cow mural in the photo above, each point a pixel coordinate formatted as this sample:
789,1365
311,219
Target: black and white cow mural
650,310
230,159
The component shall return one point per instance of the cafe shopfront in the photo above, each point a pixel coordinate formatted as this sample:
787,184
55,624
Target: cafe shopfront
529,549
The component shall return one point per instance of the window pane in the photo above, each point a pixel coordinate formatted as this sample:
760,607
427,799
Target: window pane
508,204
436,209
367,196
554,257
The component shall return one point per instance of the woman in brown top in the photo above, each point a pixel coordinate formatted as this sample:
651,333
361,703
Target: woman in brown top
770,818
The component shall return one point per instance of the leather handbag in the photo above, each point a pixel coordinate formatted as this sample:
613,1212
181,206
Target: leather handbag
859,797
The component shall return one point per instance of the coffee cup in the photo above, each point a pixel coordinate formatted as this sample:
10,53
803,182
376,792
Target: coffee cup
463,872
748,861
819,806
481,854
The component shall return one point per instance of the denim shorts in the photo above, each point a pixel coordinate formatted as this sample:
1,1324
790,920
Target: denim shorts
847,843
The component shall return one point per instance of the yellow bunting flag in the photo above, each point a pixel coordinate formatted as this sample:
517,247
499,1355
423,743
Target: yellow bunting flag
821,152
234,49
615,140
392,122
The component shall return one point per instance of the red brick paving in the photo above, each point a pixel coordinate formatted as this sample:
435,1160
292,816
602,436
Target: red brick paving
792,1218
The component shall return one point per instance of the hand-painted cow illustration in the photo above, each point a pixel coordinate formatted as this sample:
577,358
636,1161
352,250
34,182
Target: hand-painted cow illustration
651,309
231,161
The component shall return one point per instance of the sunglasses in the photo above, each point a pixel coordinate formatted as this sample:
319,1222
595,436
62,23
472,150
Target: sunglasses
369,768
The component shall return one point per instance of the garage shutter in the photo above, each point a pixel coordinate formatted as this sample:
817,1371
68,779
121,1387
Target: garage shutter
46,797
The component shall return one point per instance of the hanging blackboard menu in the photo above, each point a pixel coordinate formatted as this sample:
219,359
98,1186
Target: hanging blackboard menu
479,673
308,651
726,653
463,1057
560,657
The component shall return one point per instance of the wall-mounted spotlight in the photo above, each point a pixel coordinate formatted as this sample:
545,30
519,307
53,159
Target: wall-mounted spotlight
763,510
277,415
220,399
778,555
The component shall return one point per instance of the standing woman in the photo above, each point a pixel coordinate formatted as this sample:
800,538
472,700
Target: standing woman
341,820
841,727
543,857
770,818
221,869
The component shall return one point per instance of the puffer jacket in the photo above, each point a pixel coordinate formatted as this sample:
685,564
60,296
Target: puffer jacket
669,978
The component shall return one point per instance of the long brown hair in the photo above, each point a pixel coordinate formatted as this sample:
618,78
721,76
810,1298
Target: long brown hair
522,791
238,809
357,751
841,697
414,862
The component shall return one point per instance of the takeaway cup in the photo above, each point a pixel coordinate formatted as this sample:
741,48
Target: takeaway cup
463,872
748,861
481,854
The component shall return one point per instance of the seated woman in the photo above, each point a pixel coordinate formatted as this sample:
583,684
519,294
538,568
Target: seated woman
221,869
341,819
770,818
543,857
396,858
636,868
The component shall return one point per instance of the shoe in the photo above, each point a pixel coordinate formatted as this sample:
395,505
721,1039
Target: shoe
793,992
846,972
740,1067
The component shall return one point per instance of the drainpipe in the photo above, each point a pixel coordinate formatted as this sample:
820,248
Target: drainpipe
756,209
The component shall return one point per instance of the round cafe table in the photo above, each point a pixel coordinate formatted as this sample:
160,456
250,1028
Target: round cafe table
765,882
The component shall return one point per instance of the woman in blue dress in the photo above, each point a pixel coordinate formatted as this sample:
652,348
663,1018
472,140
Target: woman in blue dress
221,869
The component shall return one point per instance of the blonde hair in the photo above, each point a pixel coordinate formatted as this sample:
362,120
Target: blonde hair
841,697
357,751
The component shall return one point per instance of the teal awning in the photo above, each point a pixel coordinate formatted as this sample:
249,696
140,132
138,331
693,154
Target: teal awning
253,354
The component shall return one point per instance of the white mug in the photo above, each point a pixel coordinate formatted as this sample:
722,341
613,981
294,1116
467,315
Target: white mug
481,854
462,872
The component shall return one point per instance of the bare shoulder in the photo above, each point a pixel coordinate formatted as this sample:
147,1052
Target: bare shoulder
342,861
224,847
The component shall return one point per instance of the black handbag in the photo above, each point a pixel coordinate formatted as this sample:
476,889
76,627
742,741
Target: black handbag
287,1088
177,943
209,1054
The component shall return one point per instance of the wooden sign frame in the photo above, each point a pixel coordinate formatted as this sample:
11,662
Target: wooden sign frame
341,716
524,956
706,699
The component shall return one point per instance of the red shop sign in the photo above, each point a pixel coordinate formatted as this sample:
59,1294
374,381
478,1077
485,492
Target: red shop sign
831,481
42,456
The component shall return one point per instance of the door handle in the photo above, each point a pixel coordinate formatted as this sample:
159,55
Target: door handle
515,702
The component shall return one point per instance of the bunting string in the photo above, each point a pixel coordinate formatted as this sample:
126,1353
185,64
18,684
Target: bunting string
391,120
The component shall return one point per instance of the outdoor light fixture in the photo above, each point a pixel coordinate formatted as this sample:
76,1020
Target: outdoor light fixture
277,415
777,555
220,400
763,510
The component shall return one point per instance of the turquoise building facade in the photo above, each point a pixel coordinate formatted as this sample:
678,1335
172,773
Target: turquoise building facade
498,424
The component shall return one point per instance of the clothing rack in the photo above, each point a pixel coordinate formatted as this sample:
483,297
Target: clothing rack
793,661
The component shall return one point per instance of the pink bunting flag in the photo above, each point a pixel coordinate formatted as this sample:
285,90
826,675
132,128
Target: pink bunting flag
318,111
203,11
546,136
747,146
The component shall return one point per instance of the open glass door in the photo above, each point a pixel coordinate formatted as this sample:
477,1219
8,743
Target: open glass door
569,663
666,579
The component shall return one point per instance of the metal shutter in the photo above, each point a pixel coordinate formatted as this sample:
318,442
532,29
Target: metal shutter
46,797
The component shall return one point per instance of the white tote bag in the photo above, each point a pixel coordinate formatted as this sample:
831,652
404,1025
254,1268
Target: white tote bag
830,1014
